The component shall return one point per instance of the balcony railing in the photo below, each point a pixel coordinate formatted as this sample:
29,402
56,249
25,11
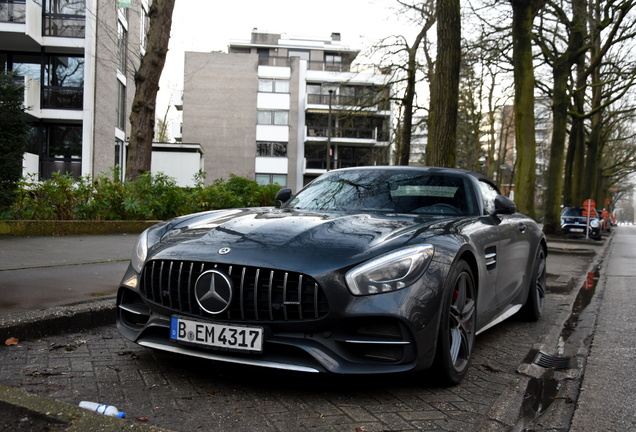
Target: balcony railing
311,65
63,25
356,133
63,97
13,11
325,66
354,101
321,163
329,66
71,166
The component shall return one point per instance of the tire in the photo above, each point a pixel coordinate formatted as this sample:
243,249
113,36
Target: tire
533,307
457,328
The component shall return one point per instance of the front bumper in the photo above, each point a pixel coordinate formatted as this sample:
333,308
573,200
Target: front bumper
387,333
580,230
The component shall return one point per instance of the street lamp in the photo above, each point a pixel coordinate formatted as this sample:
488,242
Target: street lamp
329,129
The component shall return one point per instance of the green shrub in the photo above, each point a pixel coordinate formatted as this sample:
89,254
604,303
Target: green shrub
54,199
151,197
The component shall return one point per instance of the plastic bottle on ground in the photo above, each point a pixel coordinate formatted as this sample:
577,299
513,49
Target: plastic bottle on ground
107,410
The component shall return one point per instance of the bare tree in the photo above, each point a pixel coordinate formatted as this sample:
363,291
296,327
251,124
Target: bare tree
612,77
402,57
142,117
442,125
561,50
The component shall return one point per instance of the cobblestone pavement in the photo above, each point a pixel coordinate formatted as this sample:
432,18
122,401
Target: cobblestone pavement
186,394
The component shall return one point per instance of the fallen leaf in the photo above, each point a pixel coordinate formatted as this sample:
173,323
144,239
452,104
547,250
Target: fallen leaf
11,341
141,418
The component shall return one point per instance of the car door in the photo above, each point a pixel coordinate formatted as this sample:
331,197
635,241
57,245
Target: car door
510,248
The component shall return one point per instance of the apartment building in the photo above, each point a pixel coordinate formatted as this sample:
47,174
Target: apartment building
281,109
76,59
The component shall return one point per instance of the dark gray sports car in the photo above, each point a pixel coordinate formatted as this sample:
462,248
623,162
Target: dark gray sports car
365,270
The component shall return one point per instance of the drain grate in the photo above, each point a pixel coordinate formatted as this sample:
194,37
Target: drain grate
548,361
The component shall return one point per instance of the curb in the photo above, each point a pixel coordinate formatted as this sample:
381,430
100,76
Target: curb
59,319
18,407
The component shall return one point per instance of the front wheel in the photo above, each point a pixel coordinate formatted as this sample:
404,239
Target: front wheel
533,308
457,326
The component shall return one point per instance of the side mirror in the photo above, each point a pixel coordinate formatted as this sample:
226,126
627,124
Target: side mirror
283,196
504,205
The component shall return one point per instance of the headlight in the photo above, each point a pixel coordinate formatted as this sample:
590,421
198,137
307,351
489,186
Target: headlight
594,223
140,252
390,272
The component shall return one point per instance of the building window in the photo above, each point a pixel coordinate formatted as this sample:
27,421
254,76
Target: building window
62,150
119,151
267,179
123,10
63,82
333,62
122,37
271,149
64,18
266,117
273,86
143,25
12,11
303,54
319,94
121,106
24,65
333,58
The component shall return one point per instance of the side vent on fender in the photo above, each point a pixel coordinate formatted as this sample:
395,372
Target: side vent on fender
491,257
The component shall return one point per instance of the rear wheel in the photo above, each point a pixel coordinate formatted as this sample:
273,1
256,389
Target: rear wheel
533,308
457,326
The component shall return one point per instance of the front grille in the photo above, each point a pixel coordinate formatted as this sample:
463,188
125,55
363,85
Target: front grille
259,294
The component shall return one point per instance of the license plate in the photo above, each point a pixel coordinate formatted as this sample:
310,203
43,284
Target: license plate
217,335
576,229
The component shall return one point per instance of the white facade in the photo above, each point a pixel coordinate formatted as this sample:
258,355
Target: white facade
262,110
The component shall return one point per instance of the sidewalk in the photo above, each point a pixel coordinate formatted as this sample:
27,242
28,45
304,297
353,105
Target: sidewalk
56,284
86,265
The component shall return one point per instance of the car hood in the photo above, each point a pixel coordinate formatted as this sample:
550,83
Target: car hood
269,235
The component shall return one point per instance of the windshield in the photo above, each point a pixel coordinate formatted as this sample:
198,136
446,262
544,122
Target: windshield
577,212
391,191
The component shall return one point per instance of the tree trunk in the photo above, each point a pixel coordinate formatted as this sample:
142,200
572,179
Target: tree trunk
560,106
523,13
404,138
442,133
142,116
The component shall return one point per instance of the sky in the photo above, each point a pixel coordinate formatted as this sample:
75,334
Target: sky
209,25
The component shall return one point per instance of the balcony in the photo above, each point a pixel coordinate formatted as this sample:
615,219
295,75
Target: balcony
311,65
56,97
26,27
349,133
63,25
321,163
351,101
13,11
345,157
63,165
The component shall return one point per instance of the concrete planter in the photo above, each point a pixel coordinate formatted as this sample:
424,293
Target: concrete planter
60,228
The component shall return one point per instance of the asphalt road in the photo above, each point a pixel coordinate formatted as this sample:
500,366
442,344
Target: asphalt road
42,272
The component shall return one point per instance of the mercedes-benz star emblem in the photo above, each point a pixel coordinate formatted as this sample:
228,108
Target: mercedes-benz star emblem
224,251
213,291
